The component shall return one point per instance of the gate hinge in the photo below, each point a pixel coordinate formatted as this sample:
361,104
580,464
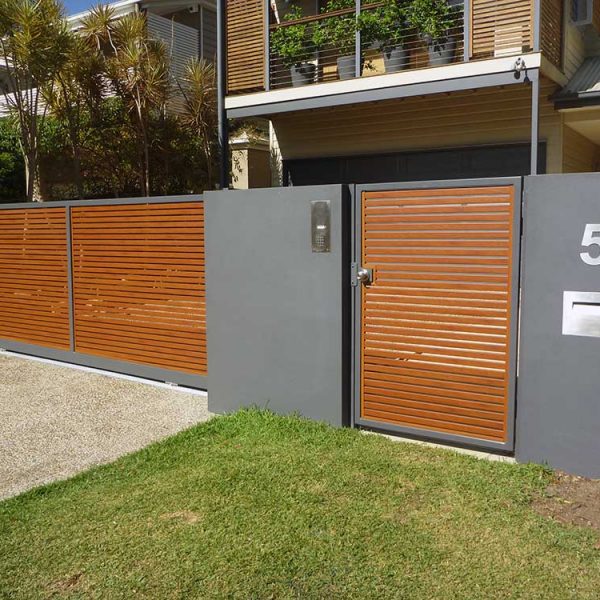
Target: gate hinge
354,274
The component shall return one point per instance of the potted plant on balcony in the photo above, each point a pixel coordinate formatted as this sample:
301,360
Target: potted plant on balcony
339,32
295,46
435,20
388,26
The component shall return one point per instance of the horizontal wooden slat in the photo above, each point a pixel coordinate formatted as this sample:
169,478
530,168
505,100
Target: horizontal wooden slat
425,408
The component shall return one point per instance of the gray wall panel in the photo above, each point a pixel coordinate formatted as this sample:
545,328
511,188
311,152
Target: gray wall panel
277,312
558,405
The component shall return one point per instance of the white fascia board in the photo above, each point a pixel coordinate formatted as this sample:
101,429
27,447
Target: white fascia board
361,84
175,5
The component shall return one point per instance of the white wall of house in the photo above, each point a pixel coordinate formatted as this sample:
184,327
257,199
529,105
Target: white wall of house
182,42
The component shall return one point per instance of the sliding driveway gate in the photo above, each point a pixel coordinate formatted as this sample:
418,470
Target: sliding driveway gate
113,284
436,278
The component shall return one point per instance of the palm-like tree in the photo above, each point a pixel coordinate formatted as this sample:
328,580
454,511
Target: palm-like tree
33,47
97,27
198,87
77,88
137,69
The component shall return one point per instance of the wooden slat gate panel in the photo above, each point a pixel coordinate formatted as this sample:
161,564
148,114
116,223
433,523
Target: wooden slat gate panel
436,342
113,284
138,284
34,296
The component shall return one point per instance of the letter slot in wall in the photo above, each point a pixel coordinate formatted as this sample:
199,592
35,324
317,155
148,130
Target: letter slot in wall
581,314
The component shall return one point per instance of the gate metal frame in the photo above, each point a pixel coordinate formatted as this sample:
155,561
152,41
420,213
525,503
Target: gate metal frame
414,432
89,360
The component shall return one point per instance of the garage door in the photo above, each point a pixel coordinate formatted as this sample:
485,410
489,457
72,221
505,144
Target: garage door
453,163
436,312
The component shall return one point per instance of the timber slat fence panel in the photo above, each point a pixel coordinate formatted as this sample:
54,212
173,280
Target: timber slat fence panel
139,284
34,290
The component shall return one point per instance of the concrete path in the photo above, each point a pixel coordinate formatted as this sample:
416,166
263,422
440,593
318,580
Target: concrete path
56,421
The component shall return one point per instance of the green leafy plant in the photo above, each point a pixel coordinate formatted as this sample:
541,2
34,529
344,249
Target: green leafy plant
12,167
338,31
33,47
198,87
138,69
386,25
293,44
433,19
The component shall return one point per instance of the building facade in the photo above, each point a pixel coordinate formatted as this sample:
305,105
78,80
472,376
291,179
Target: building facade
508,87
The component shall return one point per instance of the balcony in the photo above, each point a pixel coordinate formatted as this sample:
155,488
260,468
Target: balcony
343,44
273,44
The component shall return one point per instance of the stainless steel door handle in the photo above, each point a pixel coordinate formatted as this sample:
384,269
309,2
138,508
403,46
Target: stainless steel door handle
364,276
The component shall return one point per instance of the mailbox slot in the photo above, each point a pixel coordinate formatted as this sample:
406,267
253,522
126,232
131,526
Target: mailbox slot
581,314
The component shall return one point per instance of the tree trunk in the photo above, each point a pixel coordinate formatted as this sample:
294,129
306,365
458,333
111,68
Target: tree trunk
37,190
30,169
77,166
146,166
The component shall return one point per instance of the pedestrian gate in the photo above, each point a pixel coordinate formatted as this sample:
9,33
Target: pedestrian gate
436,303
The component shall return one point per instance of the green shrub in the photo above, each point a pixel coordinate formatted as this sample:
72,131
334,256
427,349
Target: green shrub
12,166
294,44
386,25
433,19
338,31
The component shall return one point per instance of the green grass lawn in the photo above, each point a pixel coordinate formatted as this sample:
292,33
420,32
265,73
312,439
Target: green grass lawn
258,506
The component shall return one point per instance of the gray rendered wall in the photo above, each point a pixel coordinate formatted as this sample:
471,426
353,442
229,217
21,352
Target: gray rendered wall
558,398
277,312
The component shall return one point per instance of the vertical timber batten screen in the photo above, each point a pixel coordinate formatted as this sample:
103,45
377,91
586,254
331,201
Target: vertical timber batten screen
34,293
139,288
134,297
501,27
245,43
436,322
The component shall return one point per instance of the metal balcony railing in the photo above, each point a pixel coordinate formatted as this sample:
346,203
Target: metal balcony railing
348,38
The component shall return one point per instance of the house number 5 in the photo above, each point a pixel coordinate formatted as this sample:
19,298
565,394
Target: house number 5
591,238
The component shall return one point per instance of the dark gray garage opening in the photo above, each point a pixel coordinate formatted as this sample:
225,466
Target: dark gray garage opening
512,160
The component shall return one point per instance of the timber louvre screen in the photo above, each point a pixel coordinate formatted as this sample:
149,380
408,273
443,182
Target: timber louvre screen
245,43
132,294
436,342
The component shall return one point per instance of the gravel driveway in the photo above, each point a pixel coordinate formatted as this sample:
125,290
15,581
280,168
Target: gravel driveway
56,421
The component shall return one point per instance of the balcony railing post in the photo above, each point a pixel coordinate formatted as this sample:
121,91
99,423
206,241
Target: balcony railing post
537,21
358,49
467,30
221,91
267,45
535,120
